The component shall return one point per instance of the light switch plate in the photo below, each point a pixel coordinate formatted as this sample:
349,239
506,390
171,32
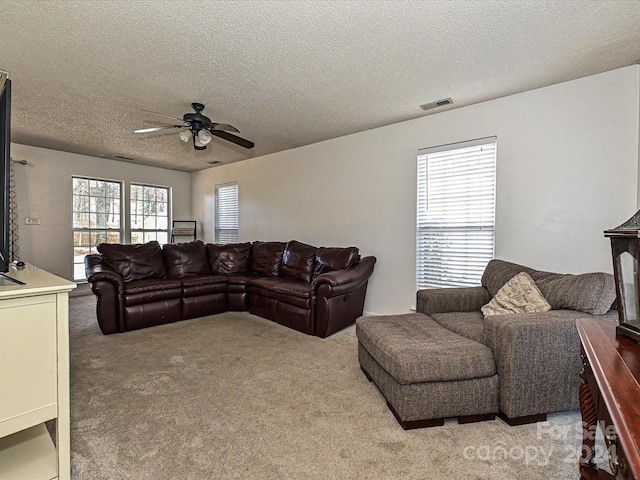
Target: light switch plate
32,221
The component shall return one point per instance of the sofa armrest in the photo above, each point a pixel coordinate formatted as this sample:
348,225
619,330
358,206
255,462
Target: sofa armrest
442,300
96,269
353,276
108,286
537,357
338,297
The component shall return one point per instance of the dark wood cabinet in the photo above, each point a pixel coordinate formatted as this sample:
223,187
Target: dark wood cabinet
609,399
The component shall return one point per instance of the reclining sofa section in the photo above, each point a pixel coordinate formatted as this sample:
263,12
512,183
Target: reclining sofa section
317,291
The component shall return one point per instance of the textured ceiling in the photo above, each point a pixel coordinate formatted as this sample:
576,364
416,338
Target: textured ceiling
285,73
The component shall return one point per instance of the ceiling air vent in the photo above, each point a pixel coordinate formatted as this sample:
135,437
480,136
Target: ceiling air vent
439,103
122,157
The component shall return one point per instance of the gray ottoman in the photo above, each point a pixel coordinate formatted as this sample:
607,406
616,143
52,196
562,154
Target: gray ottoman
426,372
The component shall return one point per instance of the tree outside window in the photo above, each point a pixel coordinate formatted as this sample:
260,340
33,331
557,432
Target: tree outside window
149,214
96,218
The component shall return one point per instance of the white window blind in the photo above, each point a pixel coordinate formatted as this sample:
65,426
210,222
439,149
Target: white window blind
455,213
226,214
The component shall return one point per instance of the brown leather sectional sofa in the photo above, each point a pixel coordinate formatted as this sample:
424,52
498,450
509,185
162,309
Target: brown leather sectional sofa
317,291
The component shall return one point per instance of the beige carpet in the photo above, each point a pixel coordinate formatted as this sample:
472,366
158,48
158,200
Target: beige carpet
234,396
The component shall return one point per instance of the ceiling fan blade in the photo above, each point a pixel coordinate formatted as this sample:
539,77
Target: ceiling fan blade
162,114
223,126
232,138
157,129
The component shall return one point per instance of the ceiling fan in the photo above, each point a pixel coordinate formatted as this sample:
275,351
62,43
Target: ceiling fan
199,128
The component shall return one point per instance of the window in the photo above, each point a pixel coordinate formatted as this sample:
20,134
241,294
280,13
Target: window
149,214
97,213
226,204
455,213
96,218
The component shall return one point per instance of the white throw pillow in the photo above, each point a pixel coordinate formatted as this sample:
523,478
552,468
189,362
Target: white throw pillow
518,295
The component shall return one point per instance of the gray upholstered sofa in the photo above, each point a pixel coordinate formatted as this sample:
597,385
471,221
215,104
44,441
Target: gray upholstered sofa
448,360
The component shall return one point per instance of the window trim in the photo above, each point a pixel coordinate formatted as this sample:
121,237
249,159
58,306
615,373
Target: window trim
125,230
121,231
129,201
470,266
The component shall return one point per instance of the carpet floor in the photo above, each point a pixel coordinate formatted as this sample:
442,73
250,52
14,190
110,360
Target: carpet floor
234,396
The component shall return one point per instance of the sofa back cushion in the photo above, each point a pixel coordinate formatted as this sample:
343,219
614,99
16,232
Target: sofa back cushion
498,273
184,259
298,261
329,259
134,262
266,258
230,258
591,293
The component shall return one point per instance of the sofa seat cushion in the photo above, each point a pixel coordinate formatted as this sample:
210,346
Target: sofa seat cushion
265,283
467,324
203,285
281,285
298,288
134,262
198,280
153,290
237,283
285,290
413,348
238,279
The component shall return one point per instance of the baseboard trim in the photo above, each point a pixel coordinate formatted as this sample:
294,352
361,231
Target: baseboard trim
374,314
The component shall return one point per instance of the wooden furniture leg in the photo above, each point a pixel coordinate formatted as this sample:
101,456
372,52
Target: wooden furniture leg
588,468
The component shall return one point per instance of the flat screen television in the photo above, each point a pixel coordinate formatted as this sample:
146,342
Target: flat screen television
5,171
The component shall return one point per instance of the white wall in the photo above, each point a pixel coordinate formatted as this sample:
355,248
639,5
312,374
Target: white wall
43,189
567,170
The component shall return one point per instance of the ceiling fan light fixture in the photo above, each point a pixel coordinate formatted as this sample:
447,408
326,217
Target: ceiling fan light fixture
199,129
197,144
185,135
204,137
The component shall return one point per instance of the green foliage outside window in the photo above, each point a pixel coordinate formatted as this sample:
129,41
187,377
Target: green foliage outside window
96,218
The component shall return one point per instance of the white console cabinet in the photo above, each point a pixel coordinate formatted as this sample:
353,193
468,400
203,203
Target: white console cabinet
34,375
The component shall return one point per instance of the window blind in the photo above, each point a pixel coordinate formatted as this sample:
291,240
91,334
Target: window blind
226,213
455,213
